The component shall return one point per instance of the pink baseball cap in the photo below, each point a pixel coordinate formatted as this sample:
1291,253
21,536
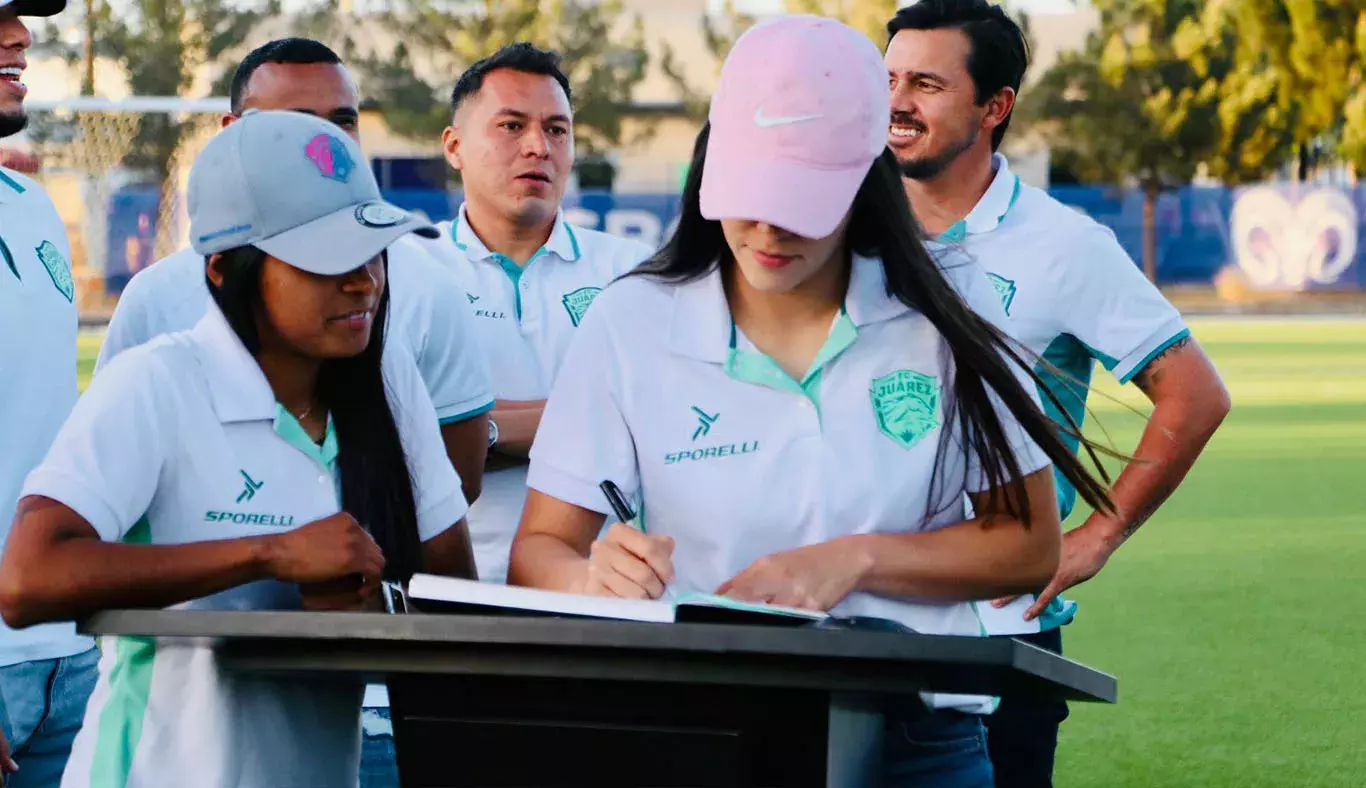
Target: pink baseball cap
798,117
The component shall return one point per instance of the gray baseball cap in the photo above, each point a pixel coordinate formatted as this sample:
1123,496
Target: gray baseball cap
35,7
296,187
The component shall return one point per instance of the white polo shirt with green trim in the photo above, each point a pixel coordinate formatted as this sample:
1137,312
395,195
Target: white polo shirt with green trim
178,441
169,295
1073,297
38,365
736,460
526,317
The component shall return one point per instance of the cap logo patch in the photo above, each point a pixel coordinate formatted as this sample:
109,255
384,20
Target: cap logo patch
767,122
380,214
330,156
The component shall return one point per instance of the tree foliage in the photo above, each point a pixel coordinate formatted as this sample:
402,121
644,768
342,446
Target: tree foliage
604,55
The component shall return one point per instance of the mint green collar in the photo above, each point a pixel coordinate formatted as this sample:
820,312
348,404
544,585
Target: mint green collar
989,211
563,242
293,433
700,324
753,366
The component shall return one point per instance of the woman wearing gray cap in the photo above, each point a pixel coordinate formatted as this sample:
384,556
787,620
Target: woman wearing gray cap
273,457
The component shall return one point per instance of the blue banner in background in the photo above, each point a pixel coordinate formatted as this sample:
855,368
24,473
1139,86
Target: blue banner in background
1279,237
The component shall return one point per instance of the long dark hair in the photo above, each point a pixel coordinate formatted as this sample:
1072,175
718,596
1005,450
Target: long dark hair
882,226
376,486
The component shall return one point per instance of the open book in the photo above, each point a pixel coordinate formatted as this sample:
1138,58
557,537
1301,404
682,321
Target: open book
437,594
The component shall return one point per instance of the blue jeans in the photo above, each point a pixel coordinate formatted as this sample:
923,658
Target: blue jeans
42,704
378,765
935,749
1023,733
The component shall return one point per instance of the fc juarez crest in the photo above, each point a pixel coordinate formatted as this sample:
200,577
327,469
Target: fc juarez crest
57,268
577,302
906,404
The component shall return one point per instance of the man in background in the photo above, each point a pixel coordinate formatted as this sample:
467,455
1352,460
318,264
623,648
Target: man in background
46,672
530,275
1072,297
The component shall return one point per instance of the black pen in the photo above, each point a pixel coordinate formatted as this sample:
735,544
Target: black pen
617,501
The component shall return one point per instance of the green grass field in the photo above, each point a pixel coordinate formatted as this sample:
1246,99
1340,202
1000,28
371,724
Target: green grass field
1233,620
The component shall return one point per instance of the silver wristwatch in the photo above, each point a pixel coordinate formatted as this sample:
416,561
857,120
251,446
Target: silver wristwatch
493,433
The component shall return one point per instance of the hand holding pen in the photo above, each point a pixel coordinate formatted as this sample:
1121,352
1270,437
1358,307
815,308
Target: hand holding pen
625,562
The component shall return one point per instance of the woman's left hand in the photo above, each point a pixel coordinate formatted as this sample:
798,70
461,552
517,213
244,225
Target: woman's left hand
817,577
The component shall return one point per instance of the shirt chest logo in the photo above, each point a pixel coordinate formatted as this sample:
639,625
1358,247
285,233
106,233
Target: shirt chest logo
57,268
1005,288
249,489
491,314
906,404
576,303
705,421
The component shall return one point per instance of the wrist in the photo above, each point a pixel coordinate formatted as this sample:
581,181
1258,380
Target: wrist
1108,531
858,550
265,552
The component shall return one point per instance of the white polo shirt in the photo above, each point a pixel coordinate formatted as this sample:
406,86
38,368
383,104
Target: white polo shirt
178,441
736,460
526,317
170,295
38,365
1073,297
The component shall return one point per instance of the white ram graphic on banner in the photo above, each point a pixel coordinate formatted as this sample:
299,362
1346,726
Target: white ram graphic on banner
1283,244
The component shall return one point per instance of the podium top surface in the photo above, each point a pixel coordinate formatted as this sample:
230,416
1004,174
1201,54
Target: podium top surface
852,661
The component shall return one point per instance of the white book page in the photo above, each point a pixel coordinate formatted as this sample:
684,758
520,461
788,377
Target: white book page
449,589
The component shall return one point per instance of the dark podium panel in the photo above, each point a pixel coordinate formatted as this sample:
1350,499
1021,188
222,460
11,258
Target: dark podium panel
515,701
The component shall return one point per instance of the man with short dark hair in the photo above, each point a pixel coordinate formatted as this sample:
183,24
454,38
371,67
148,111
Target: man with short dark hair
530,275
300,56
46,672
1072,296
304,75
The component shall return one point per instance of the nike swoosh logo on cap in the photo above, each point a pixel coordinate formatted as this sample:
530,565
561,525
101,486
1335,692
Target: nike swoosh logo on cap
765,122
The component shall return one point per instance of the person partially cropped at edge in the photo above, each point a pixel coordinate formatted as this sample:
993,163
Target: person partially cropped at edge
1073,297
279,455
798,398
304,75
530,275
46,672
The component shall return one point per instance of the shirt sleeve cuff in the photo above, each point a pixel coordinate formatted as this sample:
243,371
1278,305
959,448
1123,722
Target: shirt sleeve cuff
463,411
1030,457
69,491
435,519
1130,366
567,487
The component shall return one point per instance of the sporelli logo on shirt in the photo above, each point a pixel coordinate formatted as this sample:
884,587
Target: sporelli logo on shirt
1005,288
249,518
249,489
705,422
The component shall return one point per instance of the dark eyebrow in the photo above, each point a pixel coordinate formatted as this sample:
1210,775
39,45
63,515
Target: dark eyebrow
519,115
920,76
927,76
